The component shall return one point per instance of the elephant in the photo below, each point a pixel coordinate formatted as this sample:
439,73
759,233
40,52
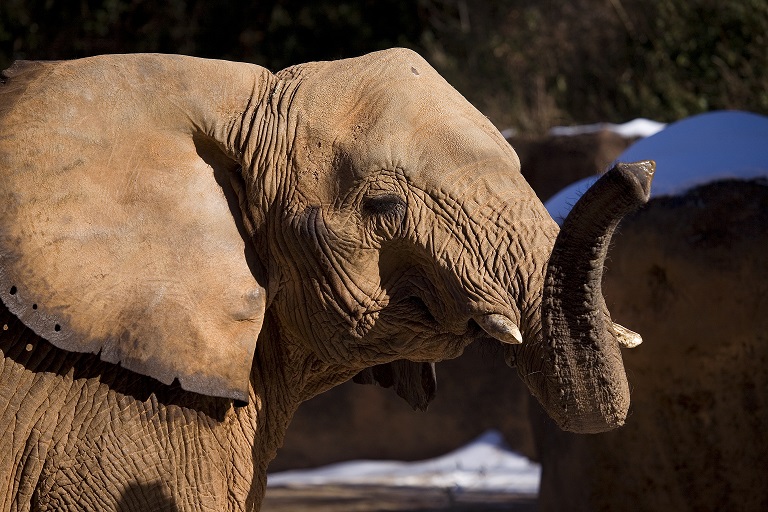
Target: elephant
190,248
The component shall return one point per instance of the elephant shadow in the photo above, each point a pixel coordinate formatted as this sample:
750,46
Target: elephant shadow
146,498
21,345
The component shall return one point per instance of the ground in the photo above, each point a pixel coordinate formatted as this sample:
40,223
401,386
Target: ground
380,499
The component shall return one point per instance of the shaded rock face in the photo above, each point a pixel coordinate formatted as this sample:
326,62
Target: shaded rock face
475,392
690,273
551,163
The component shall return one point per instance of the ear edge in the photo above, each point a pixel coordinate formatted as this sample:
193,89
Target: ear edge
53,328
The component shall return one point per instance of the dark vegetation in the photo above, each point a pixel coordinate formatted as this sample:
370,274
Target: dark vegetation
527,64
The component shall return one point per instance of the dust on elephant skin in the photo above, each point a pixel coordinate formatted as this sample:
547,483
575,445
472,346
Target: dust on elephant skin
191,248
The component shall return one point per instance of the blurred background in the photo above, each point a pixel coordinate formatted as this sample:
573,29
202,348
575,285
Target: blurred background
527,64
688,272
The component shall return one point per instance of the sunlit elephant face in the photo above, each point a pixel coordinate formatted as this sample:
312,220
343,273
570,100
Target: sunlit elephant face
379,238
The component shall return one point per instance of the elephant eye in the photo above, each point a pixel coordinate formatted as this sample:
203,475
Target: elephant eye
388,204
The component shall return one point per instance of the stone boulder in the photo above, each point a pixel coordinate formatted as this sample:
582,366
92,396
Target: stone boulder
690,273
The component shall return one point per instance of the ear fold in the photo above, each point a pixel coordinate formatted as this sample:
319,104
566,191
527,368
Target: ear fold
416,383
119,230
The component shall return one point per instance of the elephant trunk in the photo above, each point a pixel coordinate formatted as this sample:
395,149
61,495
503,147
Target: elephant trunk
585,388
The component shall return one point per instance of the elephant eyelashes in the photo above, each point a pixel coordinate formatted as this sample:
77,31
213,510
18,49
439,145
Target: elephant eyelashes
384,214
384,205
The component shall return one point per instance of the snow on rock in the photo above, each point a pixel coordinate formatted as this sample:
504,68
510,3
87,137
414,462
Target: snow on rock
484,464
691,152
635,128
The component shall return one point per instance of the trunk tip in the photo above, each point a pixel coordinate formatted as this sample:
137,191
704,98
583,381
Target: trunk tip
641,173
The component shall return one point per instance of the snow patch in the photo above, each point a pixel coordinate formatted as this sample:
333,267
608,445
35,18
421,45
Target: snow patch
691,152
630,130
484,464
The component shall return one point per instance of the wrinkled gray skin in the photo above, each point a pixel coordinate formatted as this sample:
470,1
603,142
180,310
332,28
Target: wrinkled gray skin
384,226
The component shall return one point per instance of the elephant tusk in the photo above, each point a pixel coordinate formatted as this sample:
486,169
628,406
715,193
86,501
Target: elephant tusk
500,327
625,337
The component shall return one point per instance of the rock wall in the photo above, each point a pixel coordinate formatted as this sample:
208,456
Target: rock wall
551,163
690,273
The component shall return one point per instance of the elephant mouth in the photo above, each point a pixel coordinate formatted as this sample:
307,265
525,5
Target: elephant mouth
421,311
465,328
419,325
420,317
421,300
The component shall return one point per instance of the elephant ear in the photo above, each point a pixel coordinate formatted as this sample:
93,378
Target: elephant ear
416,383
120,229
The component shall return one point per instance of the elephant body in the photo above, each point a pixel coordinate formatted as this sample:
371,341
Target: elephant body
190,248
82,434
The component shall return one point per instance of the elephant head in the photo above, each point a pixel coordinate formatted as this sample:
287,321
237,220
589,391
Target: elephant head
156,209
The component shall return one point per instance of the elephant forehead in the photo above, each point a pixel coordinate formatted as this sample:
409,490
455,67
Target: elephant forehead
392,110
429,155
388,89
343,80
